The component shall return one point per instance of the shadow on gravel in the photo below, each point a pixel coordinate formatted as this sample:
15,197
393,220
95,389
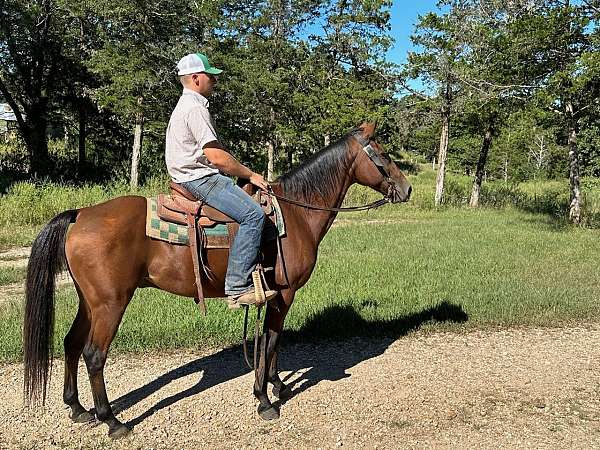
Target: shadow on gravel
329,360
325,359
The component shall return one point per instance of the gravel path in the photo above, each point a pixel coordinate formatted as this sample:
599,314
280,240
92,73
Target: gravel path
517,388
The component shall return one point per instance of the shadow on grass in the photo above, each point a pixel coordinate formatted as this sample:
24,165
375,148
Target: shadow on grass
336,321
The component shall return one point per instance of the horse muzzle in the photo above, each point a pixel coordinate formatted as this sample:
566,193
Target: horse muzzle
397,194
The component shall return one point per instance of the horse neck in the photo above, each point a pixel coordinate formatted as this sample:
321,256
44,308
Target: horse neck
318,221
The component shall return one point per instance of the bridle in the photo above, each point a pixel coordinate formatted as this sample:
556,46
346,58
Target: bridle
379,163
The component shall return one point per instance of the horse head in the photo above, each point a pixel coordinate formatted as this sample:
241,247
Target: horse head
375,168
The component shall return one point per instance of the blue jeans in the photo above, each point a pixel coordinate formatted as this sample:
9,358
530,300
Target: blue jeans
219,192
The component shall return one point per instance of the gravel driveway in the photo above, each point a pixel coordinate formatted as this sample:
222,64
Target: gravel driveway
517,388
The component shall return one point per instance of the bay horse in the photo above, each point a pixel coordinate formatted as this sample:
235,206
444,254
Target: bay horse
107,252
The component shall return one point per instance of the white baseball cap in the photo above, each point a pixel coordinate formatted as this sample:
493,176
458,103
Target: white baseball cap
196,63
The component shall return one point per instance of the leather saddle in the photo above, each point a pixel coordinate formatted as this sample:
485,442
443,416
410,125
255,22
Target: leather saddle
182,208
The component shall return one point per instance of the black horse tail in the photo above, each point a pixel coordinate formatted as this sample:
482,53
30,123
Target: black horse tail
47,259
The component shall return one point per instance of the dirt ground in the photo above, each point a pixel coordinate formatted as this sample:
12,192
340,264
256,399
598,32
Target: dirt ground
517,388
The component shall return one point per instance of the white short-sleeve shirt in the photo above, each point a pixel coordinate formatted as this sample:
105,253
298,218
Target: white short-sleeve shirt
190,128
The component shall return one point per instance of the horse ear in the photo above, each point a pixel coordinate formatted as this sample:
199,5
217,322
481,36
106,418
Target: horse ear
368,129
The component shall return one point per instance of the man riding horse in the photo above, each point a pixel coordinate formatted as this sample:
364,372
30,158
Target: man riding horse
109,254
196,159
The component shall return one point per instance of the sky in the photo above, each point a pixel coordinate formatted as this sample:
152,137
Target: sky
404,18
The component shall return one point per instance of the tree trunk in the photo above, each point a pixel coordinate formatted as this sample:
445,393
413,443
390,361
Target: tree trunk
575,206
442,157
290,158
81,161
444,137
270,160
483,154
137,144
38,148
66,138
36,139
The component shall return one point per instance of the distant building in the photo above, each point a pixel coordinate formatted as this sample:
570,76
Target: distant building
6,113
8,121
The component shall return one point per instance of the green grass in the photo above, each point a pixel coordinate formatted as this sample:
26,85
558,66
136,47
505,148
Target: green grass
30,204
11,236
10,275
412,268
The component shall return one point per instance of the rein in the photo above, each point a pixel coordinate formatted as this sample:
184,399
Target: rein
375,204
376,159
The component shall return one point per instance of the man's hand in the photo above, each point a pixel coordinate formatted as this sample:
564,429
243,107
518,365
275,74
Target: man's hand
258,181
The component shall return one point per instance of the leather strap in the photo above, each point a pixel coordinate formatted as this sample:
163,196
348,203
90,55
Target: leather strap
192,235
375,204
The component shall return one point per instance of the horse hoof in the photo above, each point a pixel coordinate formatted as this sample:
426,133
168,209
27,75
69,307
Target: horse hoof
119,432
268,413
83,417
282,394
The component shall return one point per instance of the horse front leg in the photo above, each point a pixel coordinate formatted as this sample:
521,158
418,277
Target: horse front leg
265,371
280,390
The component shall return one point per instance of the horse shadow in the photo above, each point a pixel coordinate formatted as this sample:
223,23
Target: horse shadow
362,340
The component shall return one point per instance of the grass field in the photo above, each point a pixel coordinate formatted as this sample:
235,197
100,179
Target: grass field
387,272
10,275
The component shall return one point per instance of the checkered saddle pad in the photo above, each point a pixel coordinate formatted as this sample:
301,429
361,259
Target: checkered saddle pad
217,235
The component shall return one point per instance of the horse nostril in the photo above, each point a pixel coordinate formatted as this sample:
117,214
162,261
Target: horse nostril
408,192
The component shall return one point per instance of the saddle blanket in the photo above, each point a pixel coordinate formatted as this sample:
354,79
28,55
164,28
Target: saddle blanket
172,232
217,235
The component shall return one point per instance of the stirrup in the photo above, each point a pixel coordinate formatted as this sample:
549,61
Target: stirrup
260,296
259,292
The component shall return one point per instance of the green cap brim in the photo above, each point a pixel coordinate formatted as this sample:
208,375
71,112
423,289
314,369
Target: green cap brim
213,71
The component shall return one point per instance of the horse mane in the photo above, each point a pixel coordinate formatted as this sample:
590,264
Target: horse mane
321,173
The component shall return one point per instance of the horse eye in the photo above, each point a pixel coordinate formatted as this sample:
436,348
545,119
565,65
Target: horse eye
386,156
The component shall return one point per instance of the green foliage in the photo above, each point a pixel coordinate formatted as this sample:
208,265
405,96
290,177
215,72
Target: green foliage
299,74
34,204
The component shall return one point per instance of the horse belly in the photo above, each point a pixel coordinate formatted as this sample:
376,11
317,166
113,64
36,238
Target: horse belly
170,268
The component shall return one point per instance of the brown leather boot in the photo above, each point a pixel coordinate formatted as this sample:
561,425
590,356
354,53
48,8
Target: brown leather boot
248,298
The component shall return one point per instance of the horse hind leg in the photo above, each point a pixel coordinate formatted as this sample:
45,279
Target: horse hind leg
74,342
104,327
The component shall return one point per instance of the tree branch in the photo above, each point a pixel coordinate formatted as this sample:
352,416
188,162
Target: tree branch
413,91
593,7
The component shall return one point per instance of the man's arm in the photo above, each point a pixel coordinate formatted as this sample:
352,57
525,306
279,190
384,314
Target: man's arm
223,161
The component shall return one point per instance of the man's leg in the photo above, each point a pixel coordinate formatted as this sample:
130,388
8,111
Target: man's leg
220,193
